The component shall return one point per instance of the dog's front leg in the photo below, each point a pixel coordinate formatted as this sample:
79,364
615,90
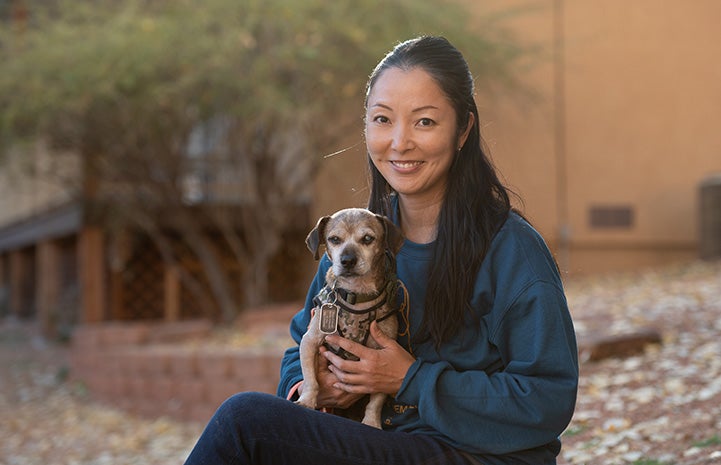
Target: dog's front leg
372,415
309,345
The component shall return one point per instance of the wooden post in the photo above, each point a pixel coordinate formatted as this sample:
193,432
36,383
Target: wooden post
117,309
16,282
4,287
91,261
171,294
47,288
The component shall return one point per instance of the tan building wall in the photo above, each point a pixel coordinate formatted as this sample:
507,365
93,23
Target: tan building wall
33,181
626,114
641,83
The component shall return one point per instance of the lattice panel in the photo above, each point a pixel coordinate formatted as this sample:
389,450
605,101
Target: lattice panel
206,306
193,306
142,281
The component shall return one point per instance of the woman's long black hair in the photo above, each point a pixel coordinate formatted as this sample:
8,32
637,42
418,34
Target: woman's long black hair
476,202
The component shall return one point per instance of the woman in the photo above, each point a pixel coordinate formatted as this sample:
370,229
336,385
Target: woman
485,370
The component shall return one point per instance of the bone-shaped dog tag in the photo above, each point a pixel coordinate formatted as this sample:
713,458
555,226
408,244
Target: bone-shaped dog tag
328,320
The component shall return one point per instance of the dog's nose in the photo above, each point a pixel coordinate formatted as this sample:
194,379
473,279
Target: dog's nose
348,260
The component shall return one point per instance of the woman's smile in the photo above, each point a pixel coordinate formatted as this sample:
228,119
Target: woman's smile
406,166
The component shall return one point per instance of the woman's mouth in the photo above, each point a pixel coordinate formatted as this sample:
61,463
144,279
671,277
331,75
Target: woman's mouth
406,165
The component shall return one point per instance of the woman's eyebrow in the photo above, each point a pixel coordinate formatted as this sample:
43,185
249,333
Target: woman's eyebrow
415,110
381,105
425,107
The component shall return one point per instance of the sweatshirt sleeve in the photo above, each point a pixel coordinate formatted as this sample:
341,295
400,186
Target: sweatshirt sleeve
525,403
290,372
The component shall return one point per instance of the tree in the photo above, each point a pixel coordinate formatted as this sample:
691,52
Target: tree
214,113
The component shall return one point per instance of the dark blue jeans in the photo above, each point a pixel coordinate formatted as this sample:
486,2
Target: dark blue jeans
261,429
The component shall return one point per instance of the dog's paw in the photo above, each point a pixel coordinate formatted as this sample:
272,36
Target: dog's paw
306,403
374,422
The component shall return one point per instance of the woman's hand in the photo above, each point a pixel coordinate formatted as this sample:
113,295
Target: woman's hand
329,395
378,370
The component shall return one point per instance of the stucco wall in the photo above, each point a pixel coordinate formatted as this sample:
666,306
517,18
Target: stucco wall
629,116
33,181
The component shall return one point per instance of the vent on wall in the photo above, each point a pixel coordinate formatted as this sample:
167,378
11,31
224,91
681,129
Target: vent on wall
611,217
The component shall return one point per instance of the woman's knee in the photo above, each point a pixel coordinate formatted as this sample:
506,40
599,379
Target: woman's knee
244,405
251,416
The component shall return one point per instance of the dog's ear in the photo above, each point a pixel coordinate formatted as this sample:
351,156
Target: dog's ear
393,234
316,237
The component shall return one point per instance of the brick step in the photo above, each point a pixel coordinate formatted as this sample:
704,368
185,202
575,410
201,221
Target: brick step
184,383
144,368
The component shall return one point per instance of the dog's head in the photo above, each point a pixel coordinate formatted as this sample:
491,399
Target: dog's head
355,240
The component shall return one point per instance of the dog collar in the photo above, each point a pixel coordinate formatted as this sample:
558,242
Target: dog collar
353,298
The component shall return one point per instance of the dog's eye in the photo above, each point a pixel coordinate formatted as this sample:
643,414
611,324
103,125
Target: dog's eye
335,240
367,239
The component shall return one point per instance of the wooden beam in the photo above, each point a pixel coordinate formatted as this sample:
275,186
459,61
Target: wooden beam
4,286
91,263
18,274
47,287
117,309
171,294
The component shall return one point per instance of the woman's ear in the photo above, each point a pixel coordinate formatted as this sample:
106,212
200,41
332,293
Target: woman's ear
464,135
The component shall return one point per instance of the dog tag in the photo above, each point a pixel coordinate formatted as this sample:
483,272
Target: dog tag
328,318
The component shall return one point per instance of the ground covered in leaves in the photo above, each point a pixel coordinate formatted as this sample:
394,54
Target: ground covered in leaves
660,407
46,419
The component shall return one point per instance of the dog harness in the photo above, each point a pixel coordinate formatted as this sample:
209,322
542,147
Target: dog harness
357,321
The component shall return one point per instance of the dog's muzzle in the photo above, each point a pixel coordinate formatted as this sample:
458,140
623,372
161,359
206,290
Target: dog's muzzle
348,260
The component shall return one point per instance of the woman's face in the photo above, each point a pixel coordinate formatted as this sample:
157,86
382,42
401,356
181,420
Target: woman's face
411,133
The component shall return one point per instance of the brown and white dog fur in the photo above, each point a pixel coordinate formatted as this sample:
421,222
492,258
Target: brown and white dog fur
357,242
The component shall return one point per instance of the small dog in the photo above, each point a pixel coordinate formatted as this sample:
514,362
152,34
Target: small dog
360,287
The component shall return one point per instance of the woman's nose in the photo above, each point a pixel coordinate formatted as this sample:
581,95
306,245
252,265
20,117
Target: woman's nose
401,139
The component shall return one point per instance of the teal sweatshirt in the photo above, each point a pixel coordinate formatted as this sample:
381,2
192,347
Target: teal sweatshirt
505,387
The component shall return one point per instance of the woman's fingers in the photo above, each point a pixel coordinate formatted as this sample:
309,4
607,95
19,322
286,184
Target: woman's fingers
378,370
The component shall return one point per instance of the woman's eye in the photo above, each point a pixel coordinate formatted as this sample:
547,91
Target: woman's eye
367,239
425,122
335,240
381,119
